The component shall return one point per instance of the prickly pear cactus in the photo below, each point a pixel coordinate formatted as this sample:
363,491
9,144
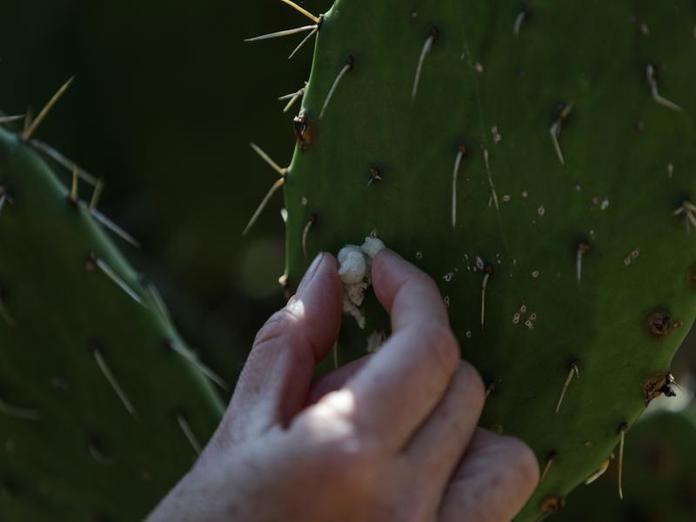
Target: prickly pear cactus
102,406
537,159
661,479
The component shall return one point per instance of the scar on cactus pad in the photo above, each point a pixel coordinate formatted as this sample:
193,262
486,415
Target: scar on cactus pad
574,157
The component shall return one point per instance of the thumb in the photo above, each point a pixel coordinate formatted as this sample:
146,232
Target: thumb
277,376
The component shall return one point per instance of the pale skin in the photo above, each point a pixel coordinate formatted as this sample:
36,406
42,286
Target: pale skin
389,438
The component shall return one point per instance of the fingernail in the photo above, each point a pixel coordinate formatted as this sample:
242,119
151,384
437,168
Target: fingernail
310,273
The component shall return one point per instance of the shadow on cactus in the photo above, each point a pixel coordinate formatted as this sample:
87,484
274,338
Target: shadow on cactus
661,484
537,160
102,405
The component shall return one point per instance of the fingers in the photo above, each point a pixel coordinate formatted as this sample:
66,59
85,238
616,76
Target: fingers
406,293
276,378
440,443
405,379
335,380
495,479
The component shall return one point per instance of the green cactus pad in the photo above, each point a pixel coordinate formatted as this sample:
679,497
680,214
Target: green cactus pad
660,480
569,267
100,400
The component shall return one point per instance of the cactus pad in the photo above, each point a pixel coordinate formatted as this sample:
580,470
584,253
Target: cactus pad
100,400
660,481
537,160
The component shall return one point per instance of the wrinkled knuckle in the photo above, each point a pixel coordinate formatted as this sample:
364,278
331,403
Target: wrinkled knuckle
357,450
464,505
356,459
274,329
333,420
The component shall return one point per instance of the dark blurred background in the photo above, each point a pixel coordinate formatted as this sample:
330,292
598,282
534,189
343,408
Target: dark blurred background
165,101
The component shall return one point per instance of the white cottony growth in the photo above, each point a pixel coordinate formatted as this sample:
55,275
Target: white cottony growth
355,312
343,254
355,294
372,246
352,265
354,270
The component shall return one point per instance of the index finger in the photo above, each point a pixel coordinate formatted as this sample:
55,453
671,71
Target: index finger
408,294
403,382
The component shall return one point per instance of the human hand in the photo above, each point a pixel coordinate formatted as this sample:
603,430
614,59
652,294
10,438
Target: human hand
389,438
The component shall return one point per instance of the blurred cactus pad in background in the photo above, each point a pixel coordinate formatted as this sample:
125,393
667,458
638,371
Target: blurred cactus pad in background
536,158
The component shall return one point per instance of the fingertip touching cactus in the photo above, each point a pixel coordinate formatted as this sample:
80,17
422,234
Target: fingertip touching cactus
537,160
102,405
